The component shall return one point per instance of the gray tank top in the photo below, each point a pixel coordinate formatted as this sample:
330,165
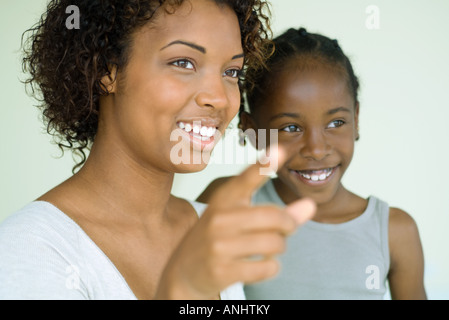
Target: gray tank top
349,260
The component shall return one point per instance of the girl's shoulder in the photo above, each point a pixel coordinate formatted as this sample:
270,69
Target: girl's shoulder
401,226
406,255
404,240
403,230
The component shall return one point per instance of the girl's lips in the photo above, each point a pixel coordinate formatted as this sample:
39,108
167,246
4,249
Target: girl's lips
317,177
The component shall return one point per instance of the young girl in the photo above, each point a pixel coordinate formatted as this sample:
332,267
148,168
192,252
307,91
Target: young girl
353,245
135,74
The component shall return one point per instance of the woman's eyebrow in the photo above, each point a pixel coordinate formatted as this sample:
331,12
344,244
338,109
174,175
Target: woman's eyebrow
186,43
197,47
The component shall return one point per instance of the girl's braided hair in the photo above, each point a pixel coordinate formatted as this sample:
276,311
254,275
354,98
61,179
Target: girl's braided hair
297,44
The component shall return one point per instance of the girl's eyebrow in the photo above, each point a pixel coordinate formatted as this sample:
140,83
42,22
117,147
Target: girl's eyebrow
286,114
336,110
299,116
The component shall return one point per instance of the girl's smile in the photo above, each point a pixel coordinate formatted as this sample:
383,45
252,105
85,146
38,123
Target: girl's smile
314,177
315,115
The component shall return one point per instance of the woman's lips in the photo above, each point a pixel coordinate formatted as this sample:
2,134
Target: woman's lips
202,132
315,177
202,137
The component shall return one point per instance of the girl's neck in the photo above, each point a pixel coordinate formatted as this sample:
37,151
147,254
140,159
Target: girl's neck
341,207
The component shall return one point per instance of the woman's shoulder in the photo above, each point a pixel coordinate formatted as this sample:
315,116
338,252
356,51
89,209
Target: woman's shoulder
37,246
38,225
36,217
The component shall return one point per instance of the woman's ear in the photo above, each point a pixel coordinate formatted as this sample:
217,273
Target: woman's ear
108,82
247,129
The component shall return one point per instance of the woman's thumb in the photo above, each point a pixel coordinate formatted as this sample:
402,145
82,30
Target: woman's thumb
301,210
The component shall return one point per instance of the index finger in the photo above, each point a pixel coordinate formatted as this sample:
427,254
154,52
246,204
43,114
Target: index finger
252,178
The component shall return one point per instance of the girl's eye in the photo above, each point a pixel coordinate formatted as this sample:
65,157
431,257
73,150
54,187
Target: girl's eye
233,73
336,124
183,63
291,128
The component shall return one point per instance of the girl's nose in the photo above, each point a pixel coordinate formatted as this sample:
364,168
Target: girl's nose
316,146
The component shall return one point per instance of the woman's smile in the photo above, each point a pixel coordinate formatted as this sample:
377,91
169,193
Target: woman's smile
202,134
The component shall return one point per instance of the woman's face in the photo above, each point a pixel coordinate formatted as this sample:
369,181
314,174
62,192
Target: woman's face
179,90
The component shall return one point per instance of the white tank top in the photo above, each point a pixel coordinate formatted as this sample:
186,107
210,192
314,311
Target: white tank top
349,260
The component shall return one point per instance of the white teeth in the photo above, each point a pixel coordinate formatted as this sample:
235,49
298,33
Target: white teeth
203,131
199,131
196,129
211,131
317,177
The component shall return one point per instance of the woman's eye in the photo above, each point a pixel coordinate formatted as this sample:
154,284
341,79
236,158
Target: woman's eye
183,63
233,73
291,128
336,124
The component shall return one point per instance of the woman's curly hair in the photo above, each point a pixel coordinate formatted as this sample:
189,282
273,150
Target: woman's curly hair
66,65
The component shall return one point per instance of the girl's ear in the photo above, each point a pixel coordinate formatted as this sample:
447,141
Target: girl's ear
247,129
356,121
246,121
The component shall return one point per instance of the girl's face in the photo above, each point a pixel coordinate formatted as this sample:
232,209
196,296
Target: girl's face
179,87
316,118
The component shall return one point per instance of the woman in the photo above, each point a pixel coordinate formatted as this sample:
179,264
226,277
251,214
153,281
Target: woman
128,85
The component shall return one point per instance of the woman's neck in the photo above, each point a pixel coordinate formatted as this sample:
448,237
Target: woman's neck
111,186
122,183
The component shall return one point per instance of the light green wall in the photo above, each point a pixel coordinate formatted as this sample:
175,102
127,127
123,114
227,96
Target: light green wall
402,156
28,160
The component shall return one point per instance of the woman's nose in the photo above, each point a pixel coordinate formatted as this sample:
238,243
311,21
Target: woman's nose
212,93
